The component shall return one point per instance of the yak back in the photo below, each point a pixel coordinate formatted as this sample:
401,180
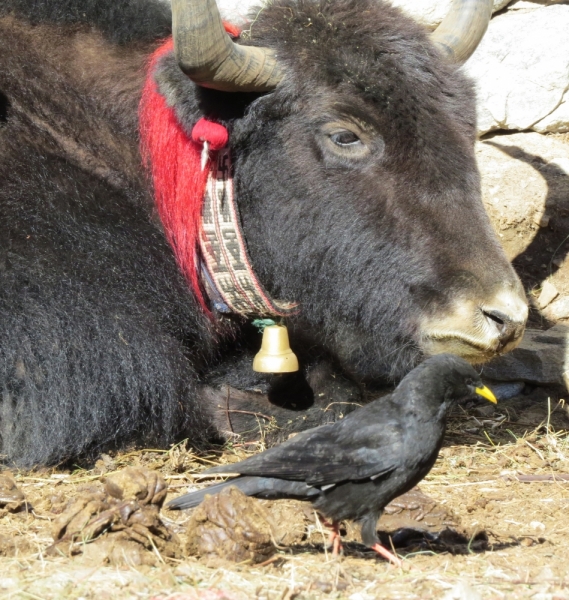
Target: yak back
121,22
101,340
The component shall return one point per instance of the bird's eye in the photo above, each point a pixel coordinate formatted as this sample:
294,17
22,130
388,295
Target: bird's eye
345,138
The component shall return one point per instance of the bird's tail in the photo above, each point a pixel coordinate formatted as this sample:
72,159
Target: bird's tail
194,498
261,487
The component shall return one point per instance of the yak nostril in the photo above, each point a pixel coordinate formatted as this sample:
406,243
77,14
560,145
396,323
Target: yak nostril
507,329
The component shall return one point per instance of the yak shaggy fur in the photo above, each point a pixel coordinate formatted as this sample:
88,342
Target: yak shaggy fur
103,343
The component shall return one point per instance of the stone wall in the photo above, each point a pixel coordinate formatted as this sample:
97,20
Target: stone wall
521,69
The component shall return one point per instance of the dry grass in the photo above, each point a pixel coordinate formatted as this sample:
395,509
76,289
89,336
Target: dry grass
525,523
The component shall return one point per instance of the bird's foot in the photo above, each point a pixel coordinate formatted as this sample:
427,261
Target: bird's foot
335,539
336,542
394,560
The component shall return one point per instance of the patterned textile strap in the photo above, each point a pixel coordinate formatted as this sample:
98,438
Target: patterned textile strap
227,273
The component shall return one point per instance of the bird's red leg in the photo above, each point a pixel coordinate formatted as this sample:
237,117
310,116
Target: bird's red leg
335,540
387,555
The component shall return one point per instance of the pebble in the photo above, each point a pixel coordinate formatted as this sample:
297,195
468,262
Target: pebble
542,220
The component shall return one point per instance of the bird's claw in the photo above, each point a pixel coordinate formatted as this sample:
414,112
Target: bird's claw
335,539
392,558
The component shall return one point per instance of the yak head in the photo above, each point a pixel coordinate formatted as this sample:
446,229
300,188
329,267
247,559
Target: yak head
353,137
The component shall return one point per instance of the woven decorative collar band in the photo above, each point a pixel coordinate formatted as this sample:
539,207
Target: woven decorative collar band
227,273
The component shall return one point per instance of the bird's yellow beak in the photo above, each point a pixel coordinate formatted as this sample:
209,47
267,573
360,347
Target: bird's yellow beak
486,393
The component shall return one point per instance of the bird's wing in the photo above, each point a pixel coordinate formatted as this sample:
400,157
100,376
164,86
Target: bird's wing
329,455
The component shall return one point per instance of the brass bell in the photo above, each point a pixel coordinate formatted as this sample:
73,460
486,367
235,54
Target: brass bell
275,355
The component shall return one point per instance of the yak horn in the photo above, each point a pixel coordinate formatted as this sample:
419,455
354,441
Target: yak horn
208,56
462,29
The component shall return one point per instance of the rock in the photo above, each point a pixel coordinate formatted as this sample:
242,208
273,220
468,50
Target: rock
12,498
558,309
541,358
548,294
237,12
523,179
542,220
427,12
561,163
556,121
431,12
502,391
521,69
525,5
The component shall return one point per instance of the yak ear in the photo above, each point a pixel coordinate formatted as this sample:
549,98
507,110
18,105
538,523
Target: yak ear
208,56
462,29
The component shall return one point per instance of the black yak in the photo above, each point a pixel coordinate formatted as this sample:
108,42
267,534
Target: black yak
352,141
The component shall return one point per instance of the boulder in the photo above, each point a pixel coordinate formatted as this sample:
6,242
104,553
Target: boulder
525,187
542,358
521,70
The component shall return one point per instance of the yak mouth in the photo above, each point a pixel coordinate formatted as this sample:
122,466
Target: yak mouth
476,331
472,348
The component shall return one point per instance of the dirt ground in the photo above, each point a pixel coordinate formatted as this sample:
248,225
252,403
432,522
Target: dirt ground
492,520
493,524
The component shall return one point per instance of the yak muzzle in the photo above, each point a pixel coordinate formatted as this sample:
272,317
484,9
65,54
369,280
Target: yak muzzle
477,330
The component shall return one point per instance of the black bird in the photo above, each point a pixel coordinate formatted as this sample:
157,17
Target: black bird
353,468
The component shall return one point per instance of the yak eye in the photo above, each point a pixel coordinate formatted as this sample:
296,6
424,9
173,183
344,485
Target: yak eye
345,138
345,145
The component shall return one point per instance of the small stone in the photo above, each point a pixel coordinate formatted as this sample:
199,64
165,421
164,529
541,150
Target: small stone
548,294
11,497
542,220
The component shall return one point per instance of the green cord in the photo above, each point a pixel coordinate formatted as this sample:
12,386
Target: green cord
260,324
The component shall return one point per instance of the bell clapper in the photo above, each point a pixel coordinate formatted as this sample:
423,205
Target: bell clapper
275,355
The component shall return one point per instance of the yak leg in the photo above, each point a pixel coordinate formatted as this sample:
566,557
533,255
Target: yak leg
252,406
250,416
